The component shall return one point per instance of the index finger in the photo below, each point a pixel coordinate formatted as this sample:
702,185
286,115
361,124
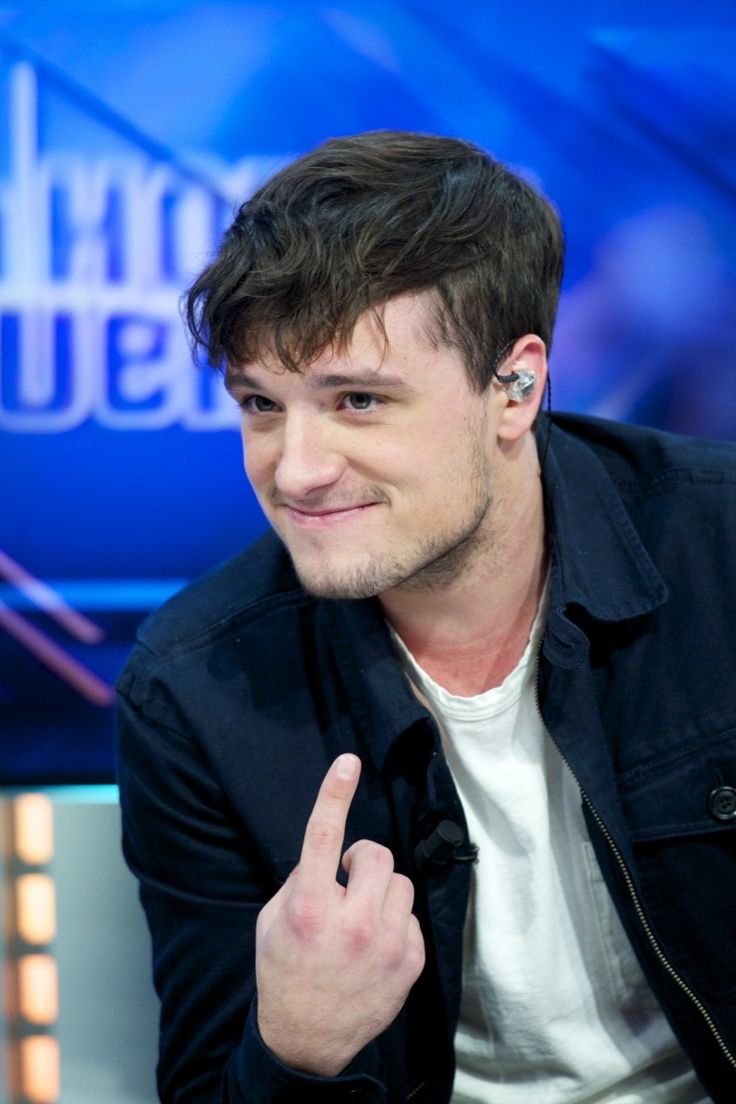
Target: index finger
325,831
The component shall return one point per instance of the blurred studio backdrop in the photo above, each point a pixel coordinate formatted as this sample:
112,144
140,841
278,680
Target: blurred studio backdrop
129,131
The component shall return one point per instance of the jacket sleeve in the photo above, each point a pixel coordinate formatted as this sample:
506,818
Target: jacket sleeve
202,886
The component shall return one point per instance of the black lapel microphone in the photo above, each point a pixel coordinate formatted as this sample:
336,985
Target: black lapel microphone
445,844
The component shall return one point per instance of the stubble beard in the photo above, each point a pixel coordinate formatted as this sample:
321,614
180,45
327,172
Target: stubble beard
433,565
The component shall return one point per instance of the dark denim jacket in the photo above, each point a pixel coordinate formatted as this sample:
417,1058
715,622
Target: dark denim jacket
242,690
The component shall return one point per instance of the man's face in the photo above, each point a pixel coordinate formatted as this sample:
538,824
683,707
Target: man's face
375,464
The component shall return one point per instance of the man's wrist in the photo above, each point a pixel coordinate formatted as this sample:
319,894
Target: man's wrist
260,1070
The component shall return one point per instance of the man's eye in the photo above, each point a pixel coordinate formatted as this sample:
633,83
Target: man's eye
258,404
360,400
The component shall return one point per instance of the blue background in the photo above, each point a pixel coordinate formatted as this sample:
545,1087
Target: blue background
128,131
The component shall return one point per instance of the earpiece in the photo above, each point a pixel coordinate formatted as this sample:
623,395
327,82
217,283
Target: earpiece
521,385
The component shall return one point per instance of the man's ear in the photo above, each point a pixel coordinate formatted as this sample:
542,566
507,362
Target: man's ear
527,361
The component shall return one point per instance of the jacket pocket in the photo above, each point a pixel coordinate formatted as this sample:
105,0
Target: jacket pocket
682,822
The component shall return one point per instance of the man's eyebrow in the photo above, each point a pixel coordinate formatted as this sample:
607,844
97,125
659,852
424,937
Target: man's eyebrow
368,380
324,381
238,378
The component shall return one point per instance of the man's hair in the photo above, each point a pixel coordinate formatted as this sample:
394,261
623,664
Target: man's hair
361,219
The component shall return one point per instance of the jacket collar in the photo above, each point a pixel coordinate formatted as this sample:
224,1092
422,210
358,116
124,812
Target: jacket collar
598,561
380,696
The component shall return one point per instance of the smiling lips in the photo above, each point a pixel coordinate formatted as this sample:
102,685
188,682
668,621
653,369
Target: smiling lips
322,518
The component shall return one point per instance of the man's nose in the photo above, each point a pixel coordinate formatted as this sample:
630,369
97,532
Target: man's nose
309,460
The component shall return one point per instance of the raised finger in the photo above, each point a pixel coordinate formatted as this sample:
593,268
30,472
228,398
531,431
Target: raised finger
325,831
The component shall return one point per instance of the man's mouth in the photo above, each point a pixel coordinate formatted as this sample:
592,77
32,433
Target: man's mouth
325,516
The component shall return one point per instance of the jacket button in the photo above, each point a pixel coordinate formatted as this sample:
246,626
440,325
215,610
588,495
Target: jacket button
722,803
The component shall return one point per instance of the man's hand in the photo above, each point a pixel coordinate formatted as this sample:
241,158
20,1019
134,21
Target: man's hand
334,965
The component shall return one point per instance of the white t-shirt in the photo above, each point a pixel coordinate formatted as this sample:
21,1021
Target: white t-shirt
555,1007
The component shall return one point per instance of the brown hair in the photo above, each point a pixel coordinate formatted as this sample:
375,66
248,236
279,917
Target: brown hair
361,219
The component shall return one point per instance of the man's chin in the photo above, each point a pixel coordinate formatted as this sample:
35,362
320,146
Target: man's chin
320,587
354,583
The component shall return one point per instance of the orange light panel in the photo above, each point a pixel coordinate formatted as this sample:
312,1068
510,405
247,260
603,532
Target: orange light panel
38,988
35,908
34,828
40,1079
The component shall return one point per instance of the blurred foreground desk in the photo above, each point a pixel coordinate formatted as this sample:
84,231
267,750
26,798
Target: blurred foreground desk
80,1020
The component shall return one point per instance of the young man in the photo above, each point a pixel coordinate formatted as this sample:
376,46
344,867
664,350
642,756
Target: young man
432,792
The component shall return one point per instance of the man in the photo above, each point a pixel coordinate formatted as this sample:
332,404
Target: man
432,792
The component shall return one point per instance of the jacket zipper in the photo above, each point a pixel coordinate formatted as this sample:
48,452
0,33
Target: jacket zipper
417,1088
638,908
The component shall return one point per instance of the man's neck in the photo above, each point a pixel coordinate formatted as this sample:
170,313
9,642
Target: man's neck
470,634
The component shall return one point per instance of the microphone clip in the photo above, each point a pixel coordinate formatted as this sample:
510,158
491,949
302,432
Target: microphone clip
445,844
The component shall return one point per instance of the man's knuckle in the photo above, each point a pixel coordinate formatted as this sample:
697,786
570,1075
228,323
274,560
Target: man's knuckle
394,948
384,855
415,950
358,933
323,836
381,857
405,887
305,914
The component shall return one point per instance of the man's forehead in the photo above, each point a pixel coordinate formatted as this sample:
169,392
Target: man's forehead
382,338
